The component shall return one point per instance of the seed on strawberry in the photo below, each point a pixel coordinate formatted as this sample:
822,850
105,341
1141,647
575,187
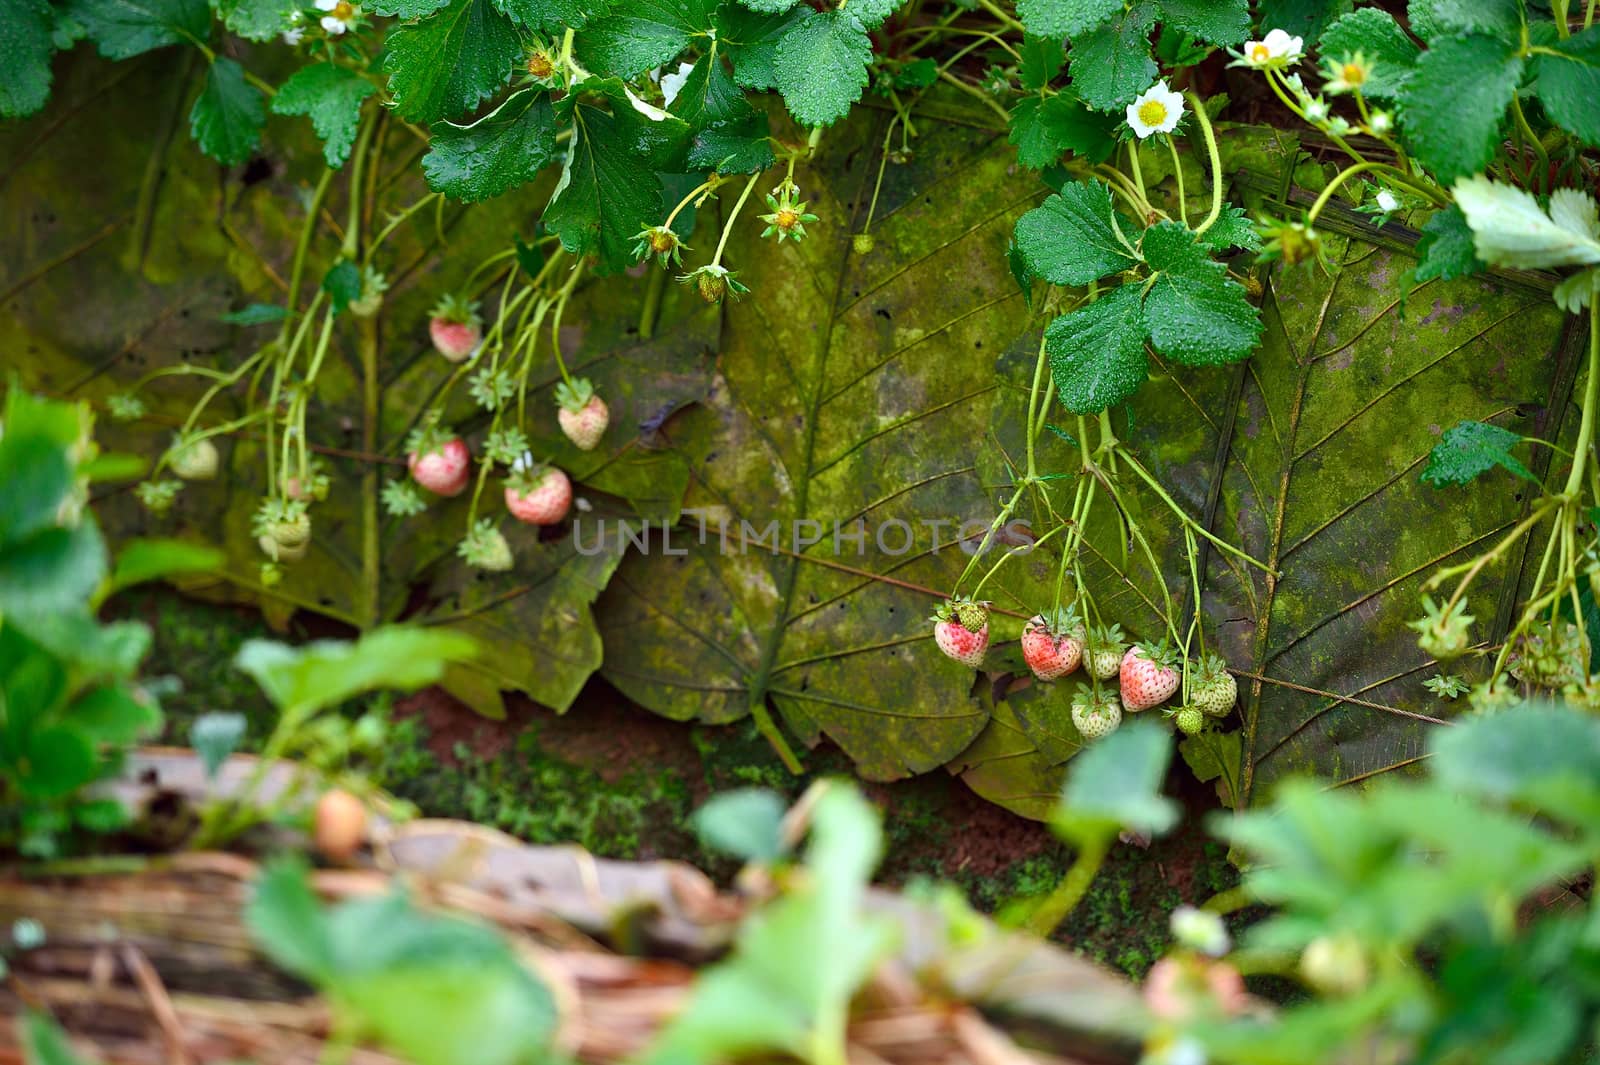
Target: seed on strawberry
1095,717
538,495
1214,690
194,460
439,460
961,629
455,328
582,414
1053,646
1104,648
1149,676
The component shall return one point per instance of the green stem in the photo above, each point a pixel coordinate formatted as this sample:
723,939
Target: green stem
1215,158
1177,173
1182,516
1067,894
722,242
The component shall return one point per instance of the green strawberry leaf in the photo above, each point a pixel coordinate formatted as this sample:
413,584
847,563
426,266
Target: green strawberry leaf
1232,229
1042,60
554,16
255,20
1195,312
1065,18
450,62
821,67
1097,354
1042,129
1455,101
768,7
1445,249
1115,785
640,34
1220,22
738,147
1111,65
342,283
1469,449
1509,228
503,149
1441,18
751,41
1071,238
871,13
122,29
1302,18
27,45
609,189
408,10
228,114
1378,37
709,95
331,96
1568,84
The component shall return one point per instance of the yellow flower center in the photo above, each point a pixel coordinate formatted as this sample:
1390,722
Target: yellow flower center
539,65
343,11
1152,113
1353,74
787,220
1259,52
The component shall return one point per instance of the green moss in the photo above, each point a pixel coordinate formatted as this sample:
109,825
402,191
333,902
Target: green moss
644,810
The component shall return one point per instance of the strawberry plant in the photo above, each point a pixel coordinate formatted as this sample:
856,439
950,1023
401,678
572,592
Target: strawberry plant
707,346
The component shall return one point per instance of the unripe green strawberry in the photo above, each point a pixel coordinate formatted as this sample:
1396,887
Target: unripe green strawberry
1095,717
1103,650
1445,629
1213,689
194,460
1189,719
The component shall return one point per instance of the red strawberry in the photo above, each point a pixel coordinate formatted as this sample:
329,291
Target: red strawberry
961,629
582,414
538,495
1052,647
1149,676
455,328
443,467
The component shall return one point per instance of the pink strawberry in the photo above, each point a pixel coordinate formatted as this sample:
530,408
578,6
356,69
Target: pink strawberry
582,414
1052,647
538,495
443,468
1149,676
961,629
455,328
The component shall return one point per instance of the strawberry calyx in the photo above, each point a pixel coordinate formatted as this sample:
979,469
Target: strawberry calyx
1161,655
574,395
457,309
1108,638
528,476
429,438
973,616
1058,622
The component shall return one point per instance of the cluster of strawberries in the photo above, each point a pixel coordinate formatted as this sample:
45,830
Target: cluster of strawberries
535,493
1056,644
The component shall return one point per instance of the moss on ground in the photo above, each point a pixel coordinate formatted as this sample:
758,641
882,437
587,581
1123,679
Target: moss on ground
541,785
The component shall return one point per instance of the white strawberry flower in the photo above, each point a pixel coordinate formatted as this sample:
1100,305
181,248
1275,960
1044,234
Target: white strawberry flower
1381,122
1276,50
340,15
1157,110
1386,201
672,84
293,36
1317,110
